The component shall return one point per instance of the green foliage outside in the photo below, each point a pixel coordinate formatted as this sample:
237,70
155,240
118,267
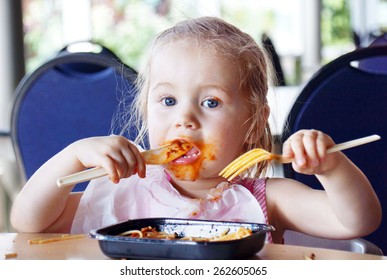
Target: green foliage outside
128,26
335,23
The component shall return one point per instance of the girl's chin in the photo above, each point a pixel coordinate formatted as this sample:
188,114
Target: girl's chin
184,172
186,176
192,176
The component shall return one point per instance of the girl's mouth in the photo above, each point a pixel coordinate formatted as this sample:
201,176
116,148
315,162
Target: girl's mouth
189,157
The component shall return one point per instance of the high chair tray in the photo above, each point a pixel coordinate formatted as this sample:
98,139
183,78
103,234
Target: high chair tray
115,246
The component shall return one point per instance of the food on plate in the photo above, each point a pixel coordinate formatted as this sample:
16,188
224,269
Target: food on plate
150,232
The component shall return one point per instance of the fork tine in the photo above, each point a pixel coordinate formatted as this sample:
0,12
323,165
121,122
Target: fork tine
236,161
239,163
244,162
254,156
244,166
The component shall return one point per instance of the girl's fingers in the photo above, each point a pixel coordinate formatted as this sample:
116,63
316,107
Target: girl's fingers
321,143
121,160
110,167
311,150
129,162
116,154
140,162
298,149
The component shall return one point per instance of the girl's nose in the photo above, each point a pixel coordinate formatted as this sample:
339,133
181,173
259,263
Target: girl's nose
187,121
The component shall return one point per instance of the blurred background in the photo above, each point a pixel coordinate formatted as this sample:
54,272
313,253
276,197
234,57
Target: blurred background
306,34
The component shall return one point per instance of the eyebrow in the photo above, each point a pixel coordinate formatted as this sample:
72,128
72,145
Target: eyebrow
165,84
206,86
218,87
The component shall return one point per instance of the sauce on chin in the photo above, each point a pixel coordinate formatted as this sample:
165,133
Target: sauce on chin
190,171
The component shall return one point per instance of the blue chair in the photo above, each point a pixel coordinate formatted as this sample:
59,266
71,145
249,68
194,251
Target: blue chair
376,64
348,102
72,96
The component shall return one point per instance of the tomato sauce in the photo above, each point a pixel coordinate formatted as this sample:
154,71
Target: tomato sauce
190,172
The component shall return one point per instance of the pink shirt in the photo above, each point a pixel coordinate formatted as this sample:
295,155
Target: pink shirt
104,203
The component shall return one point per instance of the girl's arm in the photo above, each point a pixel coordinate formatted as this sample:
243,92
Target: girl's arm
347,208
42,206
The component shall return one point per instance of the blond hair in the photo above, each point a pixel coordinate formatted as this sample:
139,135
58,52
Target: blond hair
244,53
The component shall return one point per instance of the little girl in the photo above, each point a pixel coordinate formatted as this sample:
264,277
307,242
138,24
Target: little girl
206,82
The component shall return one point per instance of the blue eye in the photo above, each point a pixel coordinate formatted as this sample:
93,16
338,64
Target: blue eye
210,103
169,101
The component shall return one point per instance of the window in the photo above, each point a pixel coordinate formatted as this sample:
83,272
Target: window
126,27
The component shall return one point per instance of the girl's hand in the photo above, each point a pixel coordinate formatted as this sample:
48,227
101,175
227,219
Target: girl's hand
309,149
116,154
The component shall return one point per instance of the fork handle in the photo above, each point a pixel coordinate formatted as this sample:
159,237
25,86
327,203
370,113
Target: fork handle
353,143
343,146
82,176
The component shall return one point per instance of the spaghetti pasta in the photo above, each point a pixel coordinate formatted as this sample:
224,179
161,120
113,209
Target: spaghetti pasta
55,239
150,232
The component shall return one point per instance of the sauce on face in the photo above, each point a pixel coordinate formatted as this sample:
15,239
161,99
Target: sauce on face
180,147
190,171
172,150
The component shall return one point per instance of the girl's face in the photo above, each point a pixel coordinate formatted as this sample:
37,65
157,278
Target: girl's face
194,94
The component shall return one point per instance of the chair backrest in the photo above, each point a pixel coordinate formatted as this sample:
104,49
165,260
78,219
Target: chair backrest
376,64
72,96
347,103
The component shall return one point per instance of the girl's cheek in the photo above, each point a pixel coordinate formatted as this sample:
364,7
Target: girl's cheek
155,135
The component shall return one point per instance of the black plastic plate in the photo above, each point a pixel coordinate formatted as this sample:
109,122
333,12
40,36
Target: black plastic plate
115,246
